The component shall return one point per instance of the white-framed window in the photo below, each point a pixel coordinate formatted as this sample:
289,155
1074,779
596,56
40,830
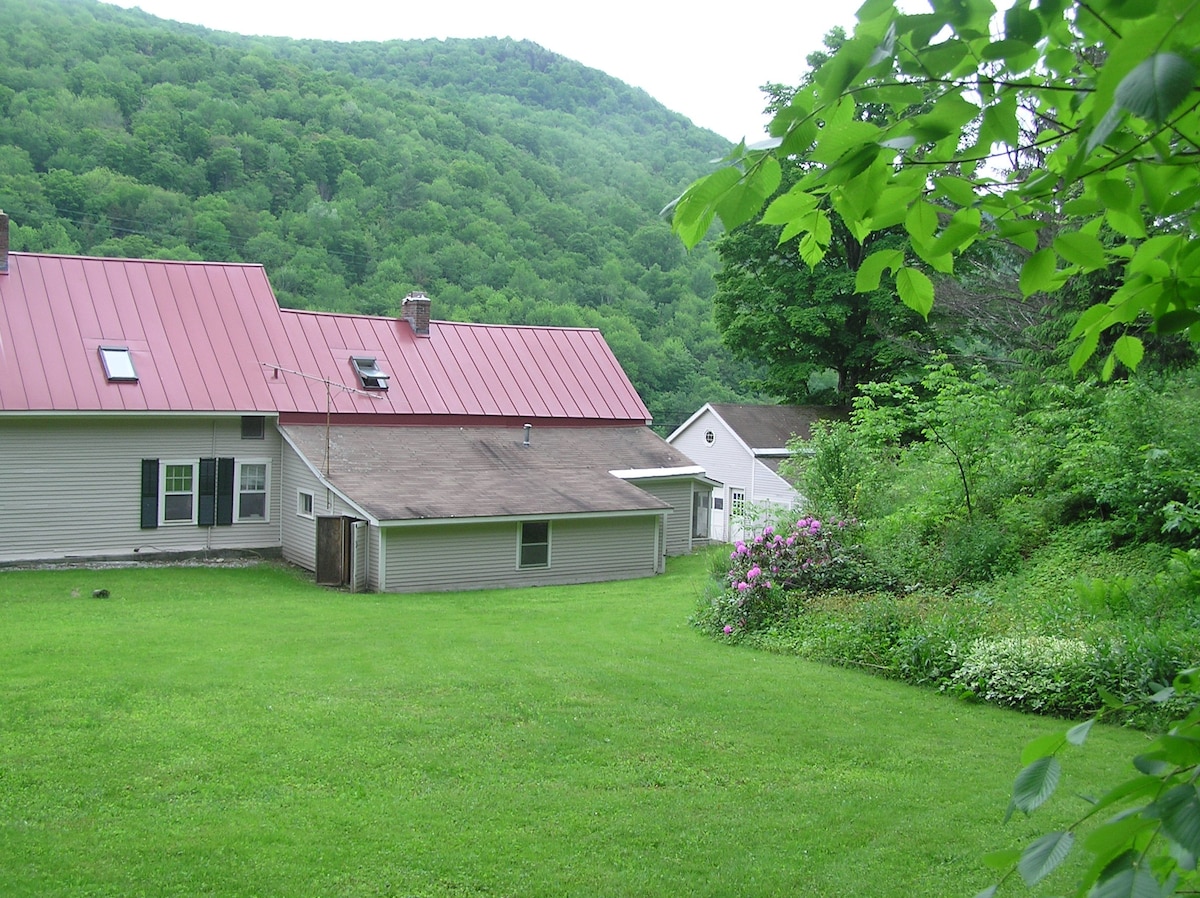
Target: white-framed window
177,492
304,504
737,503
533,545
252,489
709,437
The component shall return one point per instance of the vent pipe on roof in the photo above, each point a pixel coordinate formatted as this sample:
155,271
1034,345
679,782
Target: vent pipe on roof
3,243
528,428
415,310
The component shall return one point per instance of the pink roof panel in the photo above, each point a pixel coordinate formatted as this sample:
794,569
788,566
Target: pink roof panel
210,337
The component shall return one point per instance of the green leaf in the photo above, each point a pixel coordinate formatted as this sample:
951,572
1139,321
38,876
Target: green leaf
921,221
696,208
1128,883
1022,24
1188,680
871,270
1037,274
1081,249
1153,89
959,191
1129,351
1042,858
791,205
961,231
1116,837
1078,734
1043,747
1036,783
1002,860
916,290
1179,811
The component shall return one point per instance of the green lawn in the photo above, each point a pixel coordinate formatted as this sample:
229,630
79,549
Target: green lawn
241,732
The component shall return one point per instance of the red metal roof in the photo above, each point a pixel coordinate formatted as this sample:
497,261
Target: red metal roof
210,337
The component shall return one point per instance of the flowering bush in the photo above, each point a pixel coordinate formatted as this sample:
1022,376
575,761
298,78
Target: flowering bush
767,572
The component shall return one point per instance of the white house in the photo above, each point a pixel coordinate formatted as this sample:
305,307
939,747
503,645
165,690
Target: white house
742,447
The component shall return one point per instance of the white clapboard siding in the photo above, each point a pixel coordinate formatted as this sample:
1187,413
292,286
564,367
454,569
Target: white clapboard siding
71,486
483,556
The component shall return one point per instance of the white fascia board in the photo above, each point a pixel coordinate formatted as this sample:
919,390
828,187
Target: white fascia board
645,473
771,453
707,407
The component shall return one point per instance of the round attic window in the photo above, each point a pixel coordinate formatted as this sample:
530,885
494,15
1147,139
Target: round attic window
709,436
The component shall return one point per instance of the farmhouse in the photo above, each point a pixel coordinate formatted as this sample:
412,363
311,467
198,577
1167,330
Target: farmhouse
154,407
742,446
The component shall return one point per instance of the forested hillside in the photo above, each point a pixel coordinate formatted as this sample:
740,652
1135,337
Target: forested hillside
511,184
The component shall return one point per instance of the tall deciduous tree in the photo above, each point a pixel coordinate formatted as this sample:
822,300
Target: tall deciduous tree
1054,127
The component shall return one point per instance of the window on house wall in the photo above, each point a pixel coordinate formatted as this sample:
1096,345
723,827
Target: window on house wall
533,550
252,490
118,364
304,504
370,375
737,503
254,427
178,491
709,437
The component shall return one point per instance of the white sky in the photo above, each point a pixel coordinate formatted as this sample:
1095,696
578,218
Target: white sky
704,60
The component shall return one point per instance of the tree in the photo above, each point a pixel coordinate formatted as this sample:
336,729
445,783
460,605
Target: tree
1069,130
799,322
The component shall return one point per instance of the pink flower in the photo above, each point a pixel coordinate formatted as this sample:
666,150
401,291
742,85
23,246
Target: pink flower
753,572
743,586
728,629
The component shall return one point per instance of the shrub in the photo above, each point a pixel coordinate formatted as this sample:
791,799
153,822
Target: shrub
1045,674
768,575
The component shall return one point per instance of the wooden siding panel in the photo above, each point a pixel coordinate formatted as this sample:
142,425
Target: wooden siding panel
72,487
484,556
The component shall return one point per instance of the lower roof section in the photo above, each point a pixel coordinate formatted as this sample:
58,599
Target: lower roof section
417,473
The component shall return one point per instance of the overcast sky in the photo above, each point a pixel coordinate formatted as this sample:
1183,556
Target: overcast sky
704,60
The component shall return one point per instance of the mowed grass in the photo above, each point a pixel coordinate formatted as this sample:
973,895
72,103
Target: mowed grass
241,732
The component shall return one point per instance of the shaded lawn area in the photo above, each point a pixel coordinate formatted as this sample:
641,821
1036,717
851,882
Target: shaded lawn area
239,731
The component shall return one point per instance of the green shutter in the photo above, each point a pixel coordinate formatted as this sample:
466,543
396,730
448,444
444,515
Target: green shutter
224,491
206,510
149,493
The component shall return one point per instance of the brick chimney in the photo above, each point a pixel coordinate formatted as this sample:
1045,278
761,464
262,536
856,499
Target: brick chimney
415,310
3,243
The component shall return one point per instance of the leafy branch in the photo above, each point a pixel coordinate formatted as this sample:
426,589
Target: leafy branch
904,123
1150,844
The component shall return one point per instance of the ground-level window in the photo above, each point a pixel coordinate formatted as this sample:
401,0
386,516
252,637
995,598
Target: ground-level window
178,490
252,491
304,504
534,547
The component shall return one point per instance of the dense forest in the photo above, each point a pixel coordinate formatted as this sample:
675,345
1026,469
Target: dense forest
510,183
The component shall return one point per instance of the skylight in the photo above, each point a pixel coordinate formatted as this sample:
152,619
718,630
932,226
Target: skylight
118,364
369,373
